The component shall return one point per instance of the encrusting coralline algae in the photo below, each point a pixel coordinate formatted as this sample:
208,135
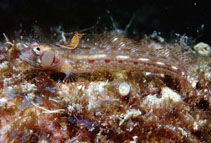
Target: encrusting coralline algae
105,89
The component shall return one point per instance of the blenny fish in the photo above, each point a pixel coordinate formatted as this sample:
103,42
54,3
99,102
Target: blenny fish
110,53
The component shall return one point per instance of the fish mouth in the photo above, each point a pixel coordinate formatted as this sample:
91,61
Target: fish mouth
29,61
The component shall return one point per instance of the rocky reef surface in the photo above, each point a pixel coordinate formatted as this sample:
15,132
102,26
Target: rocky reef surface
41,106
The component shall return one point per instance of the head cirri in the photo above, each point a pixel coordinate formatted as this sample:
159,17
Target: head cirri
41,56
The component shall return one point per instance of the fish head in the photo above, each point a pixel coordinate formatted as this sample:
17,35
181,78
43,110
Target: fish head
41,55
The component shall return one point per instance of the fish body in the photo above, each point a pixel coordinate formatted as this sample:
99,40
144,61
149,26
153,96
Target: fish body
110,53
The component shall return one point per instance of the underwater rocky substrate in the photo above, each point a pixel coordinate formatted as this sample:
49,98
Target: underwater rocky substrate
38,105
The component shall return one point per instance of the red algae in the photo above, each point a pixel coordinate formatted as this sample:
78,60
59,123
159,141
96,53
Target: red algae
123,91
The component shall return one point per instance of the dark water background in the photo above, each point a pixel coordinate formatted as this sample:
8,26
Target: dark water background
189,17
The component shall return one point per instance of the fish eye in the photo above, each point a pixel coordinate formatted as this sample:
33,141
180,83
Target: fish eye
36,50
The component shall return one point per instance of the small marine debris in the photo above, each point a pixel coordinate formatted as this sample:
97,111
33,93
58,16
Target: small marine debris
74,42
202,48
124,89
3,101
132,113
167,95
